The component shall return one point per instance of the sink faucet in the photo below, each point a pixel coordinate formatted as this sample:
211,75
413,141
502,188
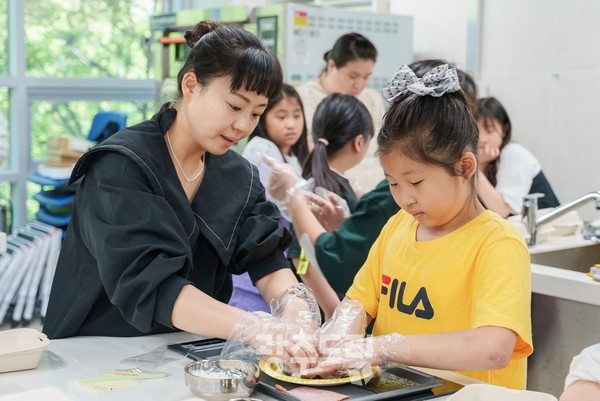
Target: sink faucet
530,207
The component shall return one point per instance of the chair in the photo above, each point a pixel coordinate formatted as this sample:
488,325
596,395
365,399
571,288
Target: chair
56,203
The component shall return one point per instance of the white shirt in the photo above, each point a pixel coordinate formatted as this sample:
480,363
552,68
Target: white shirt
585,366
257,147
516,170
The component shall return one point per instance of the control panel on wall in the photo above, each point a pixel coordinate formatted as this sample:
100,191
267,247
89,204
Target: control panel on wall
308,32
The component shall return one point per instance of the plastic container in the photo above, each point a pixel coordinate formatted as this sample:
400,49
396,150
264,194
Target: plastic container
488,392
21,349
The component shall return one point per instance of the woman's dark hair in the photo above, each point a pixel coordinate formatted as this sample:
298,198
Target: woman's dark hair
349,47
490,109
300,148
338,119
431,130
223,50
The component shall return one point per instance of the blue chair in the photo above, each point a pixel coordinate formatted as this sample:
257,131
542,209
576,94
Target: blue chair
106,123
55,203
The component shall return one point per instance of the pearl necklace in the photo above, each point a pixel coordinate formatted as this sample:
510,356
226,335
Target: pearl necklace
185,177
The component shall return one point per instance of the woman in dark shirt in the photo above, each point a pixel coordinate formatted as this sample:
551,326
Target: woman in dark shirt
165,213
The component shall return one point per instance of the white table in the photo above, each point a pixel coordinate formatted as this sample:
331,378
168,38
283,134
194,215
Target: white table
69,359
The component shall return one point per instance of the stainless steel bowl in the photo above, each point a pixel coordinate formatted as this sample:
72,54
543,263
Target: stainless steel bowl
221,379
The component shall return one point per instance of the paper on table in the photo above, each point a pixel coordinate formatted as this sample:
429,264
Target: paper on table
117,379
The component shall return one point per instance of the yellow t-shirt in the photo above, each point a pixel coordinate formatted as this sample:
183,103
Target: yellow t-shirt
478,275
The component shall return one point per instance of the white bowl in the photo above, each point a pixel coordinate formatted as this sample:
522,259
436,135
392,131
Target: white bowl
488,392
21,349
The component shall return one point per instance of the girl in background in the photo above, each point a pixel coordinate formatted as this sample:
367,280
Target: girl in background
507,170
447,282
342,129
280,134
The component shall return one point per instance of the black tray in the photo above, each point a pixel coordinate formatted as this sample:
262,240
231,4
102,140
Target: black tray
427,386
199,349
423,383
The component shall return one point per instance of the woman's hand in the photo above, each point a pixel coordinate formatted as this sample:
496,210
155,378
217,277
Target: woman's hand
257,335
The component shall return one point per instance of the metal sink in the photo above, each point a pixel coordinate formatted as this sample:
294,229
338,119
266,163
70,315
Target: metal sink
578,259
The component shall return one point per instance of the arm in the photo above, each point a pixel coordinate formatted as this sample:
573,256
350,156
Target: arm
273,284
326,297
491,198
581,390
187,316
483,348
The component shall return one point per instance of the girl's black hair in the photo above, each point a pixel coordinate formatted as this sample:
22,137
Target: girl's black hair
431,130
490,109
230,50
349,47
338,119
300,148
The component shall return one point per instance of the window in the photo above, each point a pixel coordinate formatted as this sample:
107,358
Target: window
4,131
3,37
92,39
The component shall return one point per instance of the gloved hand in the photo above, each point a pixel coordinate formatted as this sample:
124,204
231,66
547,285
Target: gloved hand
349,321
329,208
281,180
354,356
257,335
298,304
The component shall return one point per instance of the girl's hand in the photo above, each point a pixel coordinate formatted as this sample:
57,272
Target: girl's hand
329,208
361,354
349,321
487,153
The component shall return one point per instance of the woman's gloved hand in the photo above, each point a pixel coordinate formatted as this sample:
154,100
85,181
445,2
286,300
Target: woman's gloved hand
257,335
298,304
358,355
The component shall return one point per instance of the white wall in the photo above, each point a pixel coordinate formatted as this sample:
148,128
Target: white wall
541,58
440,28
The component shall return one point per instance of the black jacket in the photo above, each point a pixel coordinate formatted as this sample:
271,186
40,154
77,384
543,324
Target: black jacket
135,240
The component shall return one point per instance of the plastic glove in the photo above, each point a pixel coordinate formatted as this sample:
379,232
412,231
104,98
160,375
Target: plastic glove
282,179
257,335
329,208
349,321
360,354
298,304
283,185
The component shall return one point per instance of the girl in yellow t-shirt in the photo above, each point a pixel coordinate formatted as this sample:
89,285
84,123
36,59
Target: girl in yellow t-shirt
447,282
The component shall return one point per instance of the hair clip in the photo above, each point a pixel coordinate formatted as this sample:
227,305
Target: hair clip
436,82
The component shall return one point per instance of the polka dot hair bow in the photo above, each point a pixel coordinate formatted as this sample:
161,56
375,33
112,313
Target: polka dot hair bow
436,82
